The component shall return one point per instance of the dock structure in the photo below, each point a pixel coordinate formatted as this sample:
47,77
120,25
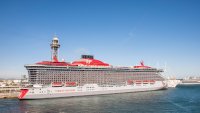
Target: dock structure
9,91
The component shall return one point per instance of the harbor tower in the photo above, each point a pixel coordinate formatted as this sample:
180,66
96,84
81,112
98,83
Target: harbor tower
54,49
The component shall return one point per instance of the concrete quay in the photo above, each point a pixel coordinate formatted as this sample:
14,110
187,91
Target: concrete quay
9,95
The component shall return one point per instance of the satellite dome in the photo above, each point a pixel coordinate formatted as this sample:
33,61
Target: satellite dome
55,38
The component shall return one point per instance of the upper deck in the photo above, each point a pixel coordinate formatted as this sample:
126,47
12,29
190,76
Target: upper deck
110,68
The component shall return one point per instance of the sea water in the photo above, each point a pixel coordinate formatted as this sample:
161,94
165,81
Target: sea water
182,99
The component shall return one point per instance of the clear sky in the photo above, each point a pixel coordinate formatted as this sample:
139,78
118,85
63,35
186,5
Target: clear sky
163,33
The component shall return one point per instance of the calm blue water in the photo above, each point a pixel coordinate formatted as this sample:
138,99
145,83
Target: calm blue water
183,99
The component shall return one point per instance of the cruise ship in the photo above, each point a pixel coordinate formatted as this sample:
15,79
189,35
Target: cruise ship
87,76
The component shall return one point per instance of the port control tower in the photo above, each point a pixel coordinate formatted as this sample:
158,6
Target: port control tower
54,49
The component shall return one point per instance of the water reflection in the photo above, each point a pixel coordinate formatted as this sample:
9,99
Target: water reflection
100,103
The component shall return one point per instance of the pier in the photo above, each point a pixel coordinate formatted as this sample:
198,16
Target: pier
9,91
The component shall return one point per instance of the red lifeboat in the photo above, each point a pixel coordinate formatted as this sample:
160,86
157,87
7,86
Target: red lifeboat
88,60
70,84
142,66
129,82
56,84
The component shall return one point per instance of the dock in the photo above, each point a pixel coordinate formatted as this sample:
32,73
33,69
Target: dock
9,92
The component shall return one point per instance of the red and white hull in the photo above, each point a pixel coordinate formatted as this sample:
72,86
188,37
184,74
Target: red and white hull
87,89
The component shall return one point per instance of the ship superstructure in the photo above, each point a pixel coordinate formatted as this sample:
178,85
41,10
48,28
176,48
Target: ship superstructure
87,76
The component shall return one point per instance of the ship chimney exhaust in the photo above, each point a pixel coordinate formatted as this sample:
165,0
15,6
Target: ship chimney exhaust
87,56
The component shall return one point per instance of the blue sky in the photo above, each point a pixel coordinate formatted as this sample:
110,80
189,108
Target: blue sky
163,33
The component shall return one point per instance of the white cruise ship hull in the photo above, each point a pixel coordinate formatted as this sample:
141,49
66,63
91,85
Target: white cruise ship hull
88,89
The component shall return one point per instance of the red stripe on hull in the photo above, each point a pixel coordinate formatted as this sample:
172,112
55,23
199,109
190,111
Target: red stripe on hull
22,93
